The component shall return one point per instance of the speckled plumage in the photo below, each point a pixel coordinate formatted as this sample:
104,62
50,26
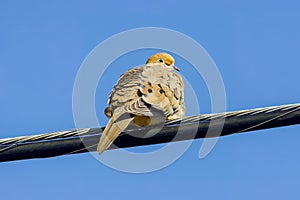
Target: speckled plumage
142,94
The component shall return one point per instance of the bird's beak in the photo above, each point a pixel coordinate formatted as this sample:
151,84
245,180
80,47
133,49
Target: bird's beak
176,68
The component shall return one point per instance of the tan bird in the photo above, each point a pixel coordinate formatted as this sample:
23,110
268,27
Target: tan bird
142,95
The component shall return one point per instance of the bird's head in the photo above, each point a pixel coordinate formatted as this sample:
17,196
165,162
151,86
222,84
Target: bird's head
164,59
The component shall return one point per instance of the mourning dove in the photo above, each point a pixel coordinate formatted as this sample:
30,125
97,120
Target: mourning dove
143,94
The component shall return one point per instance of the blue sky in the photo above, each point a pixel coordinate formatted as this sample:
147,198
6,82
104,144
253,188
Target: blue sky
255,46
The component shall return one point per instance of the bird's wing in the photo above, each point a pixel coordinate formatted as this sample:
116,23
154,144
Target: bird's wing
125,91
163,90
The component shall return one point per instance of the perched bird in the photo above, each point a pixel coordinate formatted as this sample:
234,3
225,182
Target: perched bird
143,96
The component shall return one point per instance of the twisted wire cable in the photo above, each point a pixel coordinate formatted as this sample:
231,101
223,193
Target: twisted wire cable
74,141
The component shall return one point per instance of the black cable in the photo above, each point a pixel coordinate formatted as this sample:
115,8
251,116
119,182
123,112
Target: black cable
234,122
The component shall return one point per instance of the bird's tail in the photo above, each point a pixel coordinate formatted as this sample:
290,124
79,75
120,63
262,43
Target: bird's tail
112,130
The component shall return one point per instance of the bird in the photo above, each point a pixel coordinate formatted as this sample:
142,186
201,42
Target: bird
143,96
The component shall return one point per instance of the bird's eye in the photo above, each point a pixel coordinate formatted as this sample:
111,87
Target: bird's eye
161,60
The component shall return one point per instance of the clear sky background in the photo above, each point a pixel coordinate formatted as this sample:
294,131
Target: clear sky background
255,46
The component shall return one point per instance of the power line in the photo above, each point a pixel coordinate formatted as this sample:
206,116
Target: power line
85,139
